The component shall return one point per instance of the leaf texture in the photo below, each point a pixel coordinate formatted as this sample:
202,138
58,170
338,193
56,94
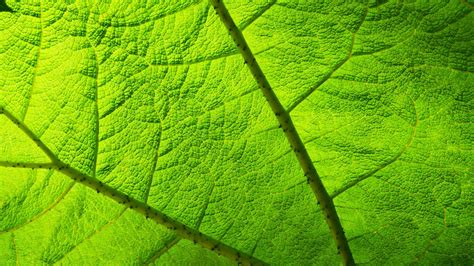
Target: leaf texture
152,101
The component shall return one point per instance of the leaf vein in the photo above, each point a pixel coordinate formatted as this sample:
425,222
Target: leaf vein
382,166
109,223
35,65
168,245
45,211
290,132
181,229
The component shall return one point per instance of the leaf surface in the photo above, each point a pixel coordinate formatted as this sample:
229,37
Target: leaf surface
154,102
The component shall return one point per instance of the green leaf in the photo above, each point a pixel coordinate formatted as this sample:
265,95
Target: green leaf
131,129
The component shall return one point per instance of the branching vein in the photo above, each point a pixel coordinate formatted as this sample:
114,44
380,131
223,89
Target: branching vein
182,230
291,134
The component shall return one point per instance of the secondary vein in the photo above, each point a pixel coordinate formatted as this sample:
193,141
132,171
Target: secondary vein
291,134
182,230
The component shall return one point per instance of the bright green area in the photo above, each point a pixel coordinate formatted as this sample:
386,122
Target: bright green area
154,100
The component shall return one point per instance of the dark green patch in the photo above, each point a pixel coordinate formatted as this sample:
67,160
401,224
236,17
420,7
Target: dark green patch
4,7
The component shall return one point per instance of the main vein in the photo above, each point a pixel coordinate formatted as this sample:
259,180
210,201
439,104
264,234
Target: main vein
327,205
181,229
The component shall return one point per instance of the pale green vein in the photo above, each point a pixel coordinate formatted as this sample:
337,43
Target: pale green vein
309,92
155,162
389,47
45,211
181,229
291,134
332,130
428,246
207,111
375,231
122,102
328,75
206,205
100,229
249,22
463,71
168,245
230,225
258,241
96,107
36,63
362,177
